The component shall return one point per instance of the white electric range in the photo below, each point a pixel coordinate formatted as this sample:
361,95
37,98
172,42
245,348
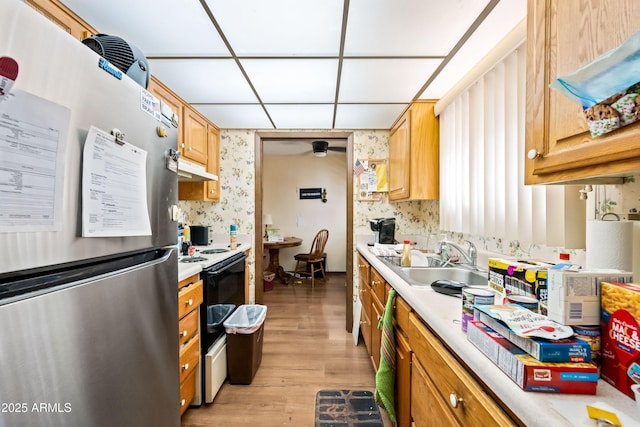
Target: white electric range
207,256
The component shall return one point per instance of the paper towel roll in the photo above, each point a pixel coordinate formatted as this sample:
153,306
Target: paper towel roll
609,245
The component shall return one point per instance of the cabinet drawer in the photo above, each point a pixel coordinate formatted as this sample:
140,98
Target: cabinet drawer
189,357
189,298
377,285
452,380
188,326
402,310
187,392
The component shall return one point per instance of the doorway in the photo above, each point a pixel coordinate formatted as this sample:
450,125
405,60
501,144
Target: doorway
262,137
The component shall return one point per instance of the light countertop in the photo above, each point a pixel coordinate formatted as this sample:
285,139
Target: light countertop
188,269
442,313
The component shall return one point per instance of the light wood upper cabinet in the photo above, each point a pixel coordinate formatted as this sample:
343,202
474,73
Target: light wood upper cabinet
563,35
213,163
63,17
160,91
194,143
208,191
414,154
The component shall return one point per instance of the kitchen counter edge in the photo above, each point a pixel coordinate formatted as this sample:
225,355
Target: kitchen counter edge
443,314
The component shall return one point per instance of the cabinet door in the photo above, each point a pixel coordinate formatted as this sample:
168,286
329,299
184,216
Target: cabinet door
161,92
454,385
195,136
213,163
403,380
564,35
365,319
427,408
63,17
399,162
376,334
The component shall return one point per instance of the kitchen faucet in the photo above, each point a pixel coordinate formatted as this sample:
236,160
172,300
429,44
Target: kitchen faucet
470,256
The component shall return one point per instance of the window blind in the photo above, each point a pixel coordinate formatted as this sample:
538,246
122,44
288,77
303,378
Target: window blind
482,189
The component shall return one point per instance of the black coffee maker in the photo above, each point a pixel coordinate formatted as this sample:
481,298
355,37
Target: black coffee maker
384,230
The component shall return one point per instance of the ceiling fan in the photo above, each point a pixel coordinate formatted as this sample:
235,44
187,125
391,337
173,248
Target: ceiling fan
320,148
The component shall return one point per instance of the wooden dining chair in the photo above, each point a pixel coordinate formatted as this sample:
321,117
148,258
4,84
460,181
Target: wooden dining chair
308,264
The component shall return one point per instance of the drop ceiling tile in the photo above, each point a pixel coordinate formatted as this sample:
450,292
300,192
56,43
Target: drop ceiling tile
500,22
161,27
384,80
296,116
280,27
227,116
408,27
204,80
289,80
367,116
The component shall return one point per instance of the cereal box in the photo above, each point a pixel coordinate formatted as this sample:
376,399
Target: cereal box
528,278
531,374
620,357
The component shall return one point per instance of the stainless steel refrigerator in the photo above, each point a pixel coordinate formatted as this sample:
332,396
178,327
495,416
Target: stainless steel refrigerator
88,325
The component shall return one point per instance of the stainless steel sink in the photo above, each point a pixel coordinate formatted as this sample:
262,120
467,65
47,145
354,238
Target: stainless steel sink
424,276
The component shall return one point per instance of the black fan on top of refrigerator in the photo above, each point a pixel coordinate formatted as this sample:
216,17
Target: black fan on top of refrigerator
124,55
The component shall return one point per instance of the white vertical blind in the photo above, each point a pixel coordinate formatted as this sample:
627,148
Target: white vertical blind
482,189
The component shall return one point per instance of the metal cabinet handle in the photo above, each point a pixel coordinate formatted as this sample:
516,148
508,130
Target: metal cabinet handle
455,400
190,302
184,333
362,265
182,402
185,366
532,154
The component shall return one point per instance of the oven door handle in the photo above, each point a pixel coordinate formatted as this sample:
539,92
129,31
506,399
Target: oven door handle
219,270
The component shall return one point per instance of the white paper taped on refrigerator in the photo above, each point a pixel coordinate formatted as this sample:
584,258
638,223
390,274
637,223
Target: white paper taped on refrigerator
33,138
114,187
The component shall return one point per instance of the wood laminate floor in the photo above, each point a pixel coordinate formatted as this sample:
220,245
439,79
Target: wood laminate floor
306,349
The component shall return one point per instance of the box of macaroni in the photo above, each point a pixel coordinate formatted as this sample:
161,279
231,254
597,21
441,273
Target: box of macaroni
620,316
527,372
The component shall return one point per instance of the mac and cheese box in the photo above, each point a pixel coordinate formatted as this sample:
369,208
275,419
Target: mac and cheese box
620,316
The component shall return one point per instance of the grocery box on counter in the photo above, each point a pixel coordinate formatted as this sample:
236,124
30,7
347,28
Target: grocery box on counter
574,297
562,350
528,278
531,374
620,357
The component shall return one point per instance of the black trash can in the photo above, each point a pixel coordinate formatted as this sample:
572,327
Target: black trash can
245,330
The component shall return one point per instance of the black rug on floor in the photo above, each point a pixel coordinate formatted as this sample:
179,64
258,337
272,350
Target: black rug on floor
347,408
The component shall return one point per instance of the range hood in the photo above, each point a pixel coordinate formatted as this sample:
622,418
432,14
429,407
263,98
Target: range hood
189,171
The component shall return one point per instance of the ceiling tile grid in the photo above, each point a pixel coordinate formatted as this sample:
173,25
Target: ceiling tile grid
306,64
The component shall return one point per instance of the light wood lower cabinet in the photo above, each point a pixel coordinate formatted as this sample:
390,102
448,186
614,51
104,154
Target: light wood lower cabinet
403,380
442,389
189,300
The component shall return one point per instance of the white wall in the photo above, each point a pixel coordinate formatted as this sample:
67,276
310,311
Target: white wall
282,177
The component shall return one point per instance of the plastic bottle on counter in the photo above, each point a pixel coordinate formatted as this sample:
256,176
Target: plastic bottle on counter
406,254
233,237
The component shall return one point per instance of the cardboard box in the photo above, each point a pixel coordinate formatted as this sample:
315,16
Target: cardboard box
574,297
528,278
564,350
620,358
529,373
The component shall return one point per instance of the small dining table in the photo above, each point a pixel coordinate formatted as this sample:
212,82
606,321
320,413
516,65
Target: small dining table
274,256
